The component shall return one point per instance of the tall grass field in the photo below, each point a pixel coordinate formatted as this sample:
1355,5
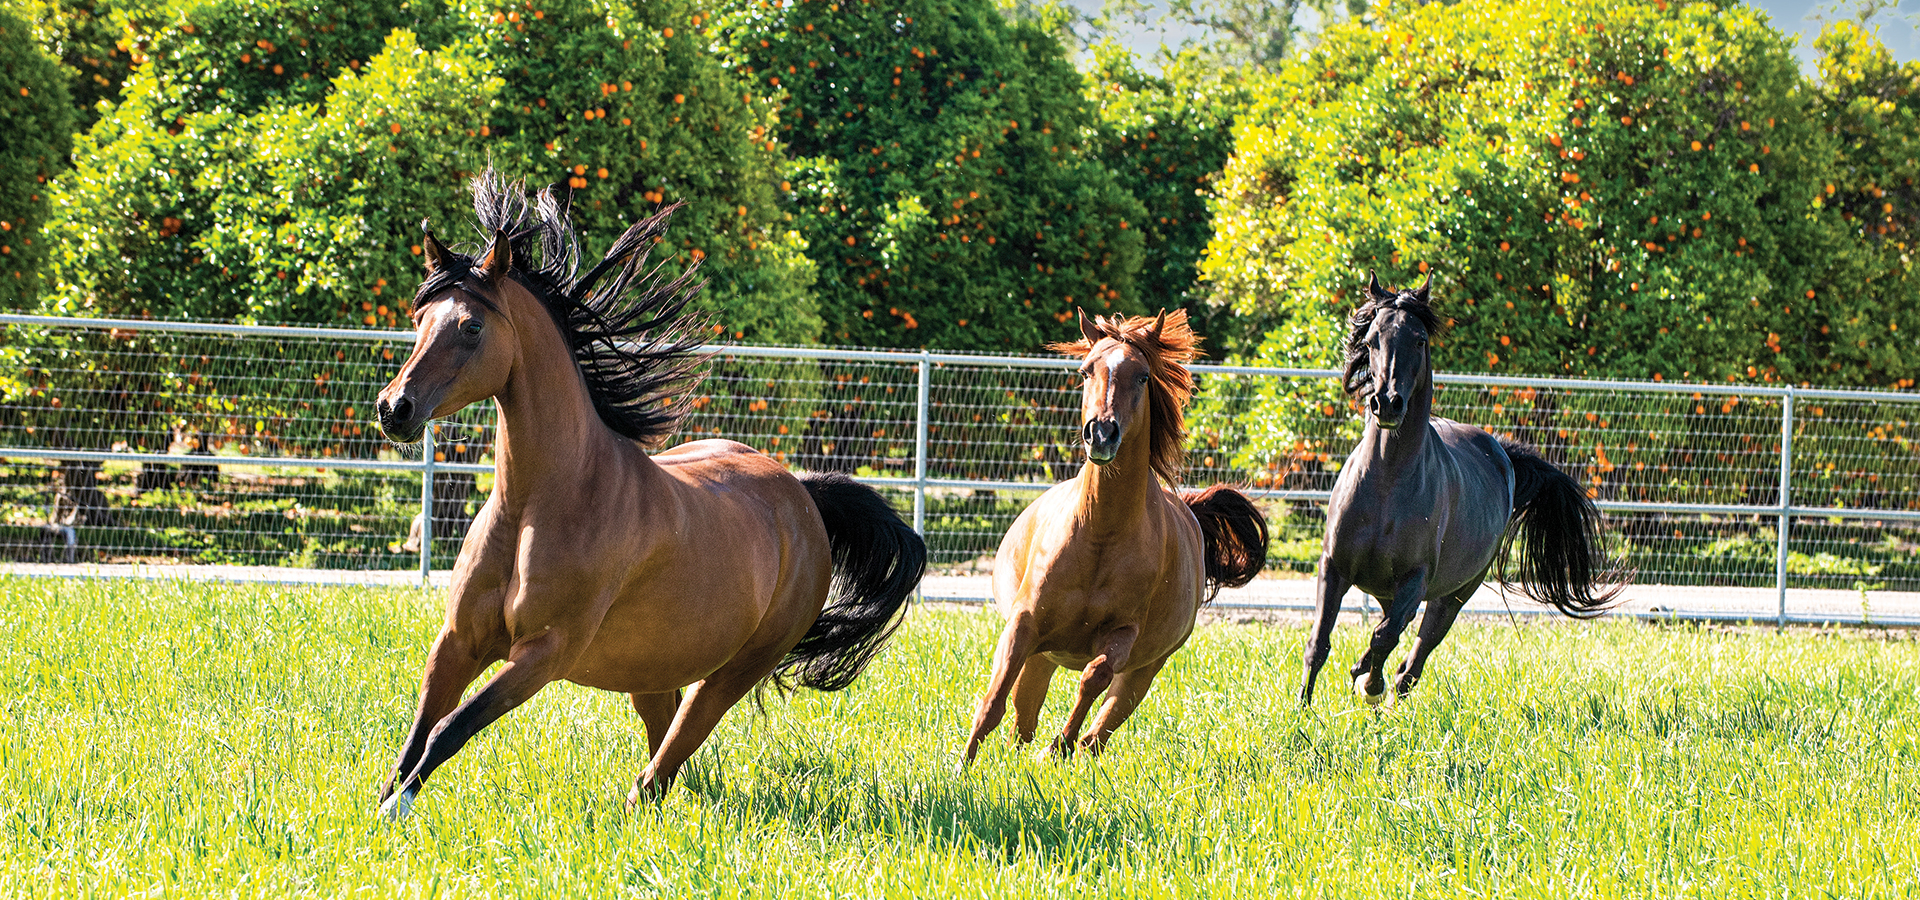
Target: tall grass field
176,739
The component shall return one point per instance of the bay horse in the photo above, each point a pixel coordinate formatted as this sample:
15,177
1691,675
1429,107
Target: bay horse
1106,572
1426,507
707,565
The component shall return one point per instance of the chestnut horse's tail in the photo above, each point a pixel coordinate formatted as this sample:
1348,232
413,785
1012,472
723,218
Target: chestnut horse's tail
1560,562
1235,532
877,563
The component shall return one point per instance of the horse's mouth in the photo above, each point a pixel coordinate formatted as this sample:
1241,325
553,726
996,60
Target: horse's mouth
405,437
1101,456
1385,423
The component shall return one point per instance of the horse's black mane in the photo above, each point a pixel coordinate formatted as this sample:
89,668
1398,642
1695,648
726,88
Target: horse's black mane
626,324
1412,301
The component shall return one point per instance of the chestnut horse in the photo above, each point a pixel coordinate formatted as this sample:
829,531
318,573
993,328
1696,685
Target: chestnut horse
1106,573
1425,507
707,565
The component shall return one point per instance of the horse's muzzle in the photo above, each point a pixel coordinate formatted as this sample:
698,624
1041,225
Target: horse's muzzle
1102,437
1388,409
399,419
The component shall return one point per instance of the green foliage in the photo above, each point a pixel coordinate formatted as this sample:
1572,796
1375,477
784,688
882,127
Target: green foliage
944,174
274,196
1166,137
1872,107
36,119
1599,188
86,36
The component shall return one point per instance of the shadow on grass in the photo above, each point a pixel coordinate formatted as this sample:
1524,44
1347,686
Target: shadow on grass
1015,816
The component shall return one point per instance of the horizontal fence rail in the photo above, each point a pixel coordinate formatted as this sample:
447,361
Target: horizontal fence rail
167,442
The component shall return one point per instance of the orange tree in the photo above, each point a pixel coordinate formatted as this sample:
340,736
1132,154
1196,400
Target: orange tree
303,205
944,173
1166,137
1872,106
1600,188
274,164
84,35
36,117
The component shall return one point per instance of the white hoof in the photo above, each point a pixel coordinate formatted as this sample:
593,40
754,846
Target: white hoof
397,806
1360,688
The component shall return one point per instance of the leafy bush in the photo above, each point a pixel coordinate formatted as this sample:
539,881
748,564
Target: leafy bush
1166,137
1598,187
36,117
85,36
295,195
944,175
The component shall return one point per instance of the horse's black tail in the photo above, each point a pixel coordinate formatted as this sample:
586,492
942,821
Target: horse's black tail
1236,536
877,563
1560,562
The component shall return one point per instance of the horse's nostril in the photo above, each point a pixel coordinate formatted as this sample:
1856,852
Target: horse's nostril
394,412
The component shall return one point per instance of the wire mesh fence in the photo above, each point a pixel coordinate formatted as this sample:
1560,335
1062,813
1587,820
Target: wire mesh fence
193,443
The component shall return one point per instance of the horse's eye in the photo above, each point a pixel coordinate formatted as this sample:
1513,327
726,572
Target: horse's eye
473,326
1141,378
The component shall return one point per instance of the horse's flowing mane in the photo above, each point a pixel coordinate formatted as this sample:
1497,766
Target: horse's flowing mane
1171,383
626,324
1412,301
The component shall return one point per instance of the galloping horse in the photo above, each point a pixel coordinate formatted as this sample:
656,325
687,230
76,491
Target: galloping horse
707,565
1106,572
1421,510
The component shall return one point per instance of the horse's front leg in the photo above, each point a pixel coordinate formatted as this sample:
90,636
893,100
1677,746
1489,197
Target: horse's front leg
1016,645
452,664
1329,588
1368,681
531,665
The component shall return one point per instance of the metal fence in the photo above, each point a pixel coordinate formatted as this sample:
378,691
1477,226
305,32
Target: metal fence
164,443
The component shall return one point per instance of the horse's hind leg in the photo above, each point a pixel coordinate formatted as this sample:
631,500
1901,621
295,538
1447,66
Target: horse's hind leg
1016,645
1094,680
1030,694
1129,688
1433,629
1329,589
1368,680
695,720
656,713
452,664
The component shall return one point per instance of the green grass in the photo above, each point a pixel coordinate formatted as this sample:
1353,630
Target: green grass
228,740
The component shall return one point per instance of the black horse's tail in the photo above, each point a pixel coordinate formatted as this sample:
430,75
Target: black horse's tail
877,563
1560,558
1236,536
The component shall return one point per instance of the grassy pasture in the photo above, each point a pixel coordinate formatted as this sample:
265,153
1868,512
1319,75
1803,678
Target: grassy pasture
191,740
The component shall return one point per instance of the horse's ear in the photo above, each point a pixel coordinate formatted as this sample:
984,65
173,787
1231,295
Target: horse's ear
1087,330
499,257
1421,293
431,249
1374,290
1159,322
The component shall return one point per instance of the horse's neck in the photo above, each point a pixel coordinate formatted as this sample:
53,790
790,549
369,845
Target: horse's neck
1116,494
550,438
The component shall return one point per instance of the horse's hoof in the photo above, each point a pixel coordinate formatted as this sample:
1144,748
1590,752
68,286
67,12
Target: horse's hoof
398,806
1360,688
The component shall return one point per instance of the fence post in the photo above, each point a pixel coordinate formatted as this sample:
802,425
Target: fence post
1786,502
426,507
921,429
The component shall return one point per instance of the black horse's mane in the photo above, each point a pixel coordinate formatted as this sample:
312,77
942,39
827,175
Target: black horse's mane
626,324
1412,301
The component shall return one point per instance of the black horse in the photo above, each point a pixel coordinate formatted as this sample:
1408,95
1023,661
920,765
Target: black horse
1422,508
